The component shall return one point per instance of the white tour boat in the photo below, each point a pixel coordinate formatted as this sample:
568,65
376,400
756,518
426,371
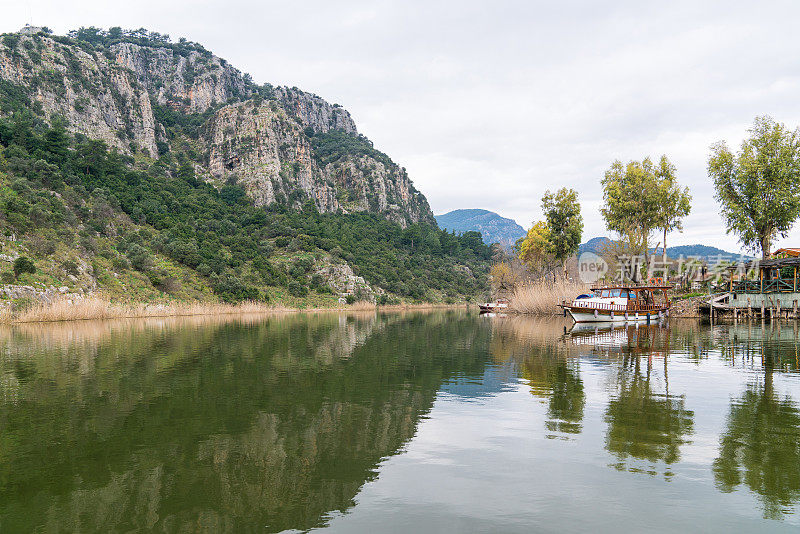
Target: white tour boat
619,304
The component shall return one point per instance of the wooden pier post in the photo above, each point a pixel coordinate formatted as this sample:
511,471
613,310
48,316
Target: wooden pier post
794,307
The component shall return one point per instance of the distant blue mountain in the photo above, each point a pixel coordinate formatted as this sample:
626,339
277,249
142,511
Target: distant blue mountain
493,227
705,252
595,244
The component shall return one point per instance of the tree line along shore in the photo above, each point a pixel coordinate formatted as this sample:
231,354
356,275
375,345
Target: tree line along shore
757,189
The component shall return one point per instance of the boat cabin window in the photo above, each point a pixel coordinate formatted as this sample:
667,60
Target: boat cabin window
607,293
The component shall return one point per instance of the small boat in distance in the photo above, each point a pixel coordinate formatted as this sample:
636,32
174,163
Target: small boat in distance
619,304
499,305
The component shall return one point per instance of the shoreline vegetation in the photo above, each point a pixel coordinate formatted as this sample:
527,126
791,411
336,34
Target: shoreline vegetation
100,308
542,298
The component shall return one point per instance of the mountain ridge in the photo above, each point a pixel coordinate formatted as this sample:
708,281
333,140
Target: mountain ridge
123,86
493,227
705,252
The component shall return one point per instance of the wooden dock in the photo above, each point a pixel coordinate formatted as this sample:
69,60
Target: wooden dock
752,305
775,294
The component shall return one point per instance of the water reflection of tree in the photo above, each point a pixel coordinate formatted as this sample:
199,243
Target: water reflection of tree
745,343
643,424
545,362
761,446
558,380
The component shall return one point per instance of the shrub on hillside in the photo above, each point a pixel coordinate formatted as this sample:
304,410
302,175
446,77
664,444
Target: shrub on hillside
296,289
23,264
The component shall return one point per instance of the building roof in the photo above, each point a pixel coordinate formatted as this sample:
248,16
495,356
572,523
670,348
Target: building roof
786,252
783,257
779,262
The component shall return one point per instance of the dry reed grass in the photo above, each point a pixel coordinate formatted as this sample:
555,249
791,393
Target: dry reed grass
100,307
543,298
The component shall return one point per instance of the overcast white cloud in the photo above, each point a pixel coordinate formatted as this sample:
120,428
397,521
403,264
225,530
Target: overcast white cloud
488,104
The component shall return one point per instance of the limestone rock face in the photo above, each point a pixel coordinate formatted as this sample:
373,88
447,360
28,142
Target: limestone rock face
98,97
312,111
192,82
267,139
341,279
264,149
368,184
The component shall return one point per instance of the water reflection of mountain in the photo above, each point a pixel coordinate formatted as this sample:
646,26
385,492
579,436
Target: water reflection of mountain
271,424
495,379
224,427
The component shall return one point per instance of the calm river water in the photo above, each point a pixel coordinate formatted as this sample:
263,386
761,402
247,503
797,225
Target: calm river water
402,422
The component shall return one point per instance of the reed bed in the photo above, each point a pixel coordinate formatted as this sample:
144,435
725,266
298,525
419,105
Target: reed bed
103,308
99,307
543,298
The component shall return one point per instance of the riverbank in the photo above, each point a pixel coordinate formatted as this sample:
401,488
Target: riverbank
687,307
93,308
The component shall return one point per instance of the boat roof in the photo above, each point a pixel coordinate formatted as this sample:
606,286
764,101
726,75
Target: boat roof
632,288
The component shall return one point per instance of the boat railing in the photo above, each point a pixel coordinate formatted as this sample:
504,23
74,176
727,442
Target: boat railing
630,307
648,307
598,306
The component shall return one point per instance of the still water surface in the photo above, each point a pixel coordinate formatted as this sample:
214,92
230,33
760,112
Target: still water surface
421,422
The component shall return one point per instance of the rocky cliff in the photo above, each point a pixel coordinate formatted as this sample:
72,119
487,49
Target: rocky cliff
270,150
142,94
97,96
192,81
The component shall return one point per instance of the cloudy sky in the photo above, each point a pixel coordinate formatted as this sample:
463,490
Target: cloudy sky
488,104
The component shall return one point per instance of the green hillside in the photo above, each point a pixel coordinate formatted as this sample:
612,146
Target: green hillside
139,226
